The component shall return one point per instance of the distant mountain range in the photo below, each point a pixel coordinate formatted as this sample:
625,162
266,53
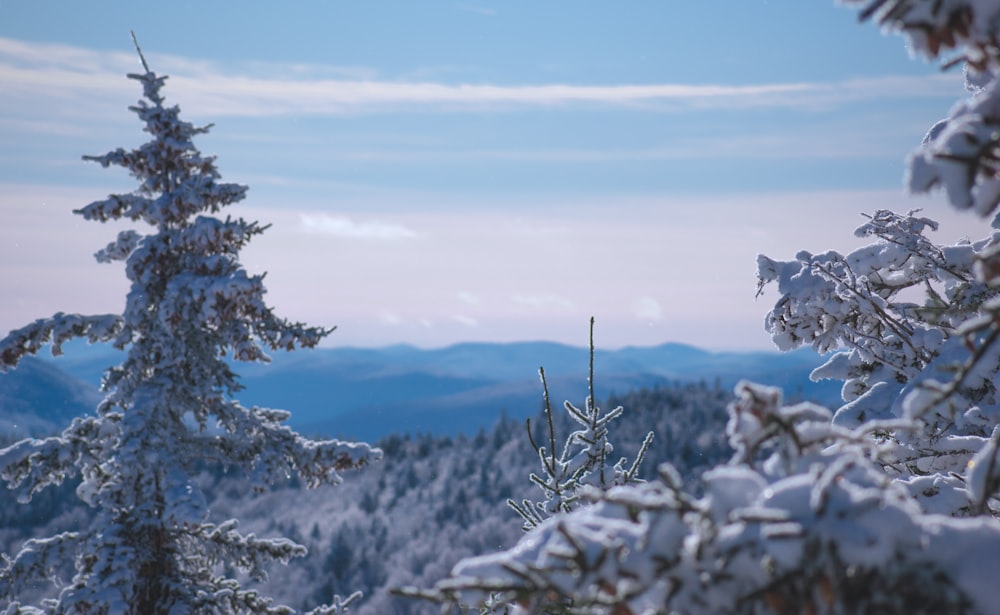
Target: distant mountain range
368,393
38,397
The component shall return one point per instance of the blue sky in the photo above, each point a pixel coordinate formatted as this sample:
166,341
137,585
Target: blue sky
446,171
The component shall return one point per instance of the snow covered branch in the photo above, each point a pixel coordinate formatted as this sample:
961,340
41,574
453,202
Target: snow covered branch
582,462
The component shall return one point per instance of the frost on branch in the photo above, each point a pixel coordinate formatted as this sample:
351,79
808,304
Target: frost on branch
901,358
56,331
866,302
170,405
583,461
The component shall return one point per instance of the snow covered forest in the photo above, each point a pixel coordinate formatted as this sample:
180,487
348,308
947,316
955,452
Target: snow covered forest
408,519
685,499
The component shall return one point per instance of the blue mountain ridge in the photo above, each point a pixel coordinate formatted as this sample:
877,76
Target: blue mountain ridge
368,393
39,397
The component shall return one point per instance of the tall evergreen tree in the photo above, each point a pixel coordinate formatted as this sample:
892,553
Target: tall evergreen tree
170,405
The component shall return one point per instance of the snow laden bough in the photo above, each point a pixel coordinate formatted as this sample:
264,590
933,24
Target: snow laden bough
932,365
170,406
800,521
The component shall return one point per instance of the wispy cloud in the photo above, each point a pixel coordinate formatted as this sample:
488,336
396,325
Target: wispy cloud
339,226
544,302
248,96
822,143
464,320
387,317
647,308
35,72
485,11
468,298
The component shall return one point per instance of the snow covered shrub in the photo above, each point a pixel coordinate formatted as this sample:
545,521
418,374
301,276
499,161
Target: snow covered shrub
885,505
169,405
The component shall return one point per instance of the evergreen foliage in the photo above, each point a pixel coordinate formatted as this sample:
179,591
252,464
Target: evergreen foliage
169,406
583,461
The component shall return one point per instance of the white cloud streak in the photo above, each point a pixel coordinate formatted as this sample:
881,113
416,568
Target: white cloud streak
544,302
823,143
389,318
466,321
485,11
468,298
343,227
647,308
35,73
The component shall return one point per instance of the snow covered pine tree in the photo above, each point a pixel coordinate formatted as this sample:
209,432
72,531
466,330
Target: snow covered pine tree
888,505
169,405
583,463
